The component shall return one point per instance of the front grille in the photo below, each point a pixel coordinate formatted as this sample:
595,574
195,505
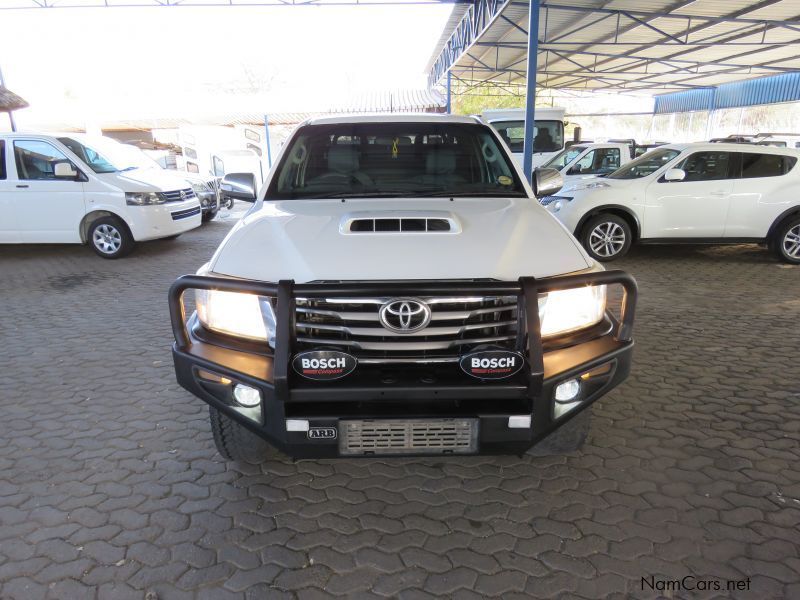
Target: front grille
457,325
185,214
408,436
175,195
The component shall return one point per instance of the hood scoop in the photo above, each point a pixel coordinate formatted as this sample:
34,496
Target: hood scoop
394,223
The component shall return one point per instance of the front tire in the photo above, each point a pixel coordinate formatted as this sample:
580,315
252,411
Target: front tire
567,438
236,442
209,215
786,243
110,238
607,237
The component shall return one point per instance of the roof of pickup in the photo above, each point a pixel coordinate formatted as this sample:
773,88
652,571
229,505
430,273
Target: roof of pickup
393,118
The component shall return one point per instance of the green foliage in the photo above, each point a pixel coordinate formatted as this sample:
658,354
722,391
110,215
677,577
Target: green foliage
473,104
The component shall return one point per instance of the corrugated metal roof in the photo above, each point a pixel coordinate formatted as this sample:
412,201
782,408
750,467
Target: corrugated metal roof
652,45
766,90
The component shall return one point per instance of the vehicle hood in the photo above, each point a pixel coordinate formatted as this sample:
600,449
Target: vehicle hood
309,240
146,180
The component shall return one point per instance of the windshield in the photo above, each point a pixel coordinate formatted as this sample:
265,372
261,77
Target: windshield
104,155
563,158
548,136
645,165
394,160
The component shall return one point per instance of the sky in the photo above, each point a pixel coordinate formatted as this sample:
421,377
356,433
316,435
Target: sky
101,62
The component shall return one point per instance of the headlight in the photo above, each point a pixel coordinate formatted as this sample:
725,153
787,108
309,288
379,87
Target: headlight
143,198
590,185
569,310
242,315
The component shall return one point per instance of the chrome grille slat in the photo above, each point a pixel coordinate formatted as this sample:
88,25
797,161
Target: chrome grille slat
428,331
401,347
436,316
458,324
175,195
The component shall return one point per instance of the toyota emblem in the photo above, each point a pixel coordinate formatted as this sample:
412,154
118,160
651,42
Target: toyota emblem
405,315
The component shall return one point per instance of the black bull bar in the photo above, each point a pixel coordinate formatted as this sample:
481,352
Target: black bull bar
277,373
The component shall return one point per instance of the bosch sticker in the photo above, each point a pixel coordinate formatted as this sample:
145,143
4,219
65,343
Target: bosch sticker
491,364
324,365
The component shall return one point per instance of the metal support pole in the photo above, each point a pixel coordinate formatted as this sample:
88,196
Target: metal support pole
712,102
449,85
269,150
10,113
530,87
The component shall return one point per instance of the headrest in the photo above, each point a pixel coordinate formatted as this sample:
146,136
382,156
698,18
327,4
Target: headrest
342,159
440,161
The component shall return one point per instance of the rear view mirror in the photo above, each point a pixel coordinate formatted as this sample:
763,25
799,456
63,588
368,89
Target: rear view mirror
675,175
239,186
546,182
64,170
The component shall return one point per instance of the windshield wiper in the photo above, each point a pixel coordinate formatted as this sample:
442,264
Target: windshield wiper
471,195
346,195
128,169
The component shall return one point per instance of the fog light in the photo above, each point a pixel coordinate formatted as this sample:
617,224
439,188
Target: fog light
568,390
246,395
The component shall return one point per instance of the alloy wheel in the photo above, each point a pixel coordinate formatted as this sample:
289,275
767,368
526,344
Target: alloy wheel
791,242
607,239
107,238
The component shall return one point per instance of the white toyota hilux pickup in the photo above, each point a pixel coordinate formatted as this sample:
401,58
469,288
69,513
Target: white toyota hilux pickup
397,289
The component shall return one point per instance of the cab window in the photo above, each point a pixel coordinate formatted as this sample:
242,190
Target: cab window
598,161
707,166
765,165
36,159
2,159
548,136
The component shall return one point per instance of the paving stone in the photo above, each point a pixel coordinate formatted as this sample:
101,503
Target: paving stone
117,491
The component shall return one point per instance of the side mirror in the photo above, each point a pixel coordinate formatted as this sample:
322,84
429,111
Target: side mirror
675,175
64,170
546,182
576,170
239,186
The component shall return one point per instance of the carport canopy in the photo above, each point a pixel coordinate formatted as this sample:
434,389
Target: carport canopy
655,46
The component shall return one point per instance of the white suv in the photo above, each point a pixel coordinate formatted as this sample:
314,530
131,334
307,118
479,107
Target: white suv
78,189
397,289
695,193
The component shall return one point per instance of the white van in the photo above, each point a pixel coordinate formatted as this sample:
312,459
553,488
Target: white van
79,189
548,131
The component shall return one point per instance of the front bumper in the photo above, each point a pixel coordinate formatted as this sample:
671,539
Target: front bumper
163,220
209,371
208,201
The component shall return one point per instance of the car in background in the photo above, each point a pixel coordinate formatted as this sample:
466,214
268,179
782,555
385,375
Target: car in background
204,188
587,160
691,193
548,131
78,189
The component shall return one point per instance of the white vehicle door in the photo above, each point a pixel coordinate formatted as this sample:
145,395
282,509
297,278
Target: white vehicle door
48,209
695,207
762,192
9,232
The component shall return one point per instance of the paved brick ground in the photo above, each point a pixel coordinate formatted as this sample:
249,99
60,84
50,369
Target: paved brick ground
110,486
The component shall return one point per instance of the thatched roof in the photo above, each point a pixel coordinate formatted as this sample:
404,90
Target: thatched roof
10,101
